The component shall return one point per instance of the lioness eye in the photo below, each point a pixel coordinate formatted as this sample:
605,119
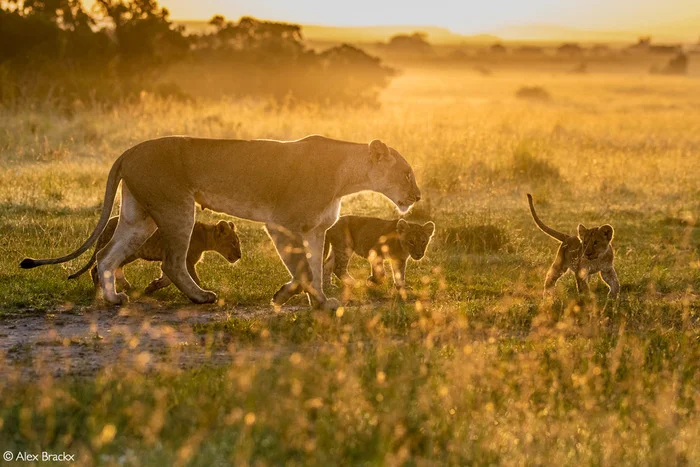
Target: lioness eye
408,177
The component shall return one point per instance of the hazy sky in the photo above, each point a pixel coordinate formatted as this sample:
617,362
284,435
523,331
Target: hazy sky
464,16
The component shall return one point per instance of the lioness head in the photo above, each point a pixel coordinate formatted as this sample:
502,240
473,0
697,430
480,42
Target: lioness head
226,241
596,240
415,237
391,175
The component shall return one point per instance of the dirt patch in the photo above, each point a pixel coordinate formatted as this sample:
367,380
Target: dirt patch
84,342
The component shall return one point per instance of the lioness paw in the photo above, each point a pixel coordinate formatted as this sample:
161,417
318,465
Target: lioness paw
206,297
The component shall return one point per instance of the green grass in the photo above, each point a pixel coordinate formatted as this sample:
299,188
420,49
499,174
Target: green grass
472,367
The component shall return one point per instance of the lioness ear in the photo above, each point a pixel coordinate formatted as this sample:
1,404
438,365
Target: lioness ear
232,225
429,228
608,231
221,227
401,225
581,230
378,150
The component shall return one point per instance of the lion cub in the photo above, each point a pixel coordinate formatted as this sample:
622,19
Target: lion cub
376,240
589,253
221,238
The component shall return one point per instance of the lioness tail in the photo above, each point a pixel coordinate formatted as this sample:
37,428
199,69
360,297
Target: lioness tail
548,230
115,176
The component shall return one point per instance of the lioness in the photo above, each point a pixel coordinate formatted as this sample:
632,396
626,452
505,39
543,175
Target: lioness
587,254
294,187
221,238
376,240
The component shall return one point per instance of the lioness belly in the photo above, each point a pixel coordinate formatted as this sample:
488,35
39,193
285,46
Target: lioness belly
235,207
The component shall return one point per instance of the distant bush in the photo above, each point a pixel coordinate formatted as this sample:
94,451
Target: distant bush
678,65
533,92
526,166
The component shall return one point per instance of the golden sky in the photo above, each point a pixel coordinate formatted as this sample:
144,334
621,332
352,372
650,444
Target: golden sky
680,18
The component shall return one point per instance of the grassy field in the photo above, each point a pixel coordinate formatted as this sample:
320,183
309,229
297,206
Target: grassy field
473,367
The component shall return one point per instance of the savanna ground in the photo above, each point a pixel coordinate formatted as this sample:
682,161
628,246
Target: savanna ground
472,367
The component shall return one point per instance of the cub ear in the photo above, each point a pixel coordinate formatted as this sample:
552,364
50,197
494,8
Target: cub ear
608,231
581,230
429,228
222,227
401,226
378,150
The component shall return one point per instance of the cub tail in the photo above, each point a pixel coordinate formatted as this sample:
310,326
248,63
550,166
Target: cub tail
548,230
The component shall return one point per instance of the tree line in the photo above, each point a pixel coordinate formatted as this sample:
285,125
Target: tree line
58,52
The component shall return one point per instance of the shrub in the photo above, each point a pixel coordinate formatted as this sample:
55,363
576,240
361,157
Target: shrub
528,167
533,93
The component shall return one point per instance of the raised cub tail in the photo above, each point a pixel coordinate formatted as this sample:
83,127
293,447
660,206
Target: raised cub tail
548,230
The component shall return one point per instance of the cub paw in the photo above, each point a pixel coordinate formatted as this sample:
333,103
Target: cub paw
331,304
373,281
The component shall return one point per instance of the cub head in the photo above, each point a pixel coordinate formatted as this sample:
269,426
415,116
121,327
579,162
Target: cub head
596,240
415,237
391,175
226,241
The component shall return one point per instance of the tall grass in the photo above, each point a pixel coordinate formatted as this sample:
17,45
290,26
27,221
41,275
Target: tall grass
471,367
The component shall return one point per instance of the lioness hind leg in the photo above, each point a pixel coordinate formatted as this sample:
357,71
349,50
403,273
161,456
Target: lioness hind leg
290,248
175,223
133,229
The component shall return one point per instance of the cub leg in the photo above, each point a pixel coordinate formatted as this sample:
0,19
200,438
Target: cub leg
342,260
582,282
329,267
157,284
556,270
175,226
95,278
133,229
610,278
120,279
378,274
398,268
